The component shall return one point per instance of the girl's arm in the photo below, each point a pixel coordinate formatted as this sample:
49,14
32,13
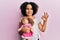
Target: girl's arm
19,29
41,26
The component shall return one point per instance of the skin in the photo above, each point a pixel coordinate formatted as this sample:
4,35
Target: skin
44,17
29,12
27,29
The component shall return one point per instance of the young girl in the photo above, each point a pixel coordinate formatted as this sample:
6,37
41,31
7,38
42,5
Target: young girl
28,10
26,23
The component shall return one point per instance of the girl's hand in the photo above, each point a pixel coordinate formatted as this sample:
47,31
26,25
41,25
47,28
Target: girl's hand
19,29
32,30
45,17
25,28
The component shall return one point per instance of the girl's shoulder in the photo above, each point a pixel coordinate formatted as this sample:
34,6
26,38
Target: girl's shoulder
37,19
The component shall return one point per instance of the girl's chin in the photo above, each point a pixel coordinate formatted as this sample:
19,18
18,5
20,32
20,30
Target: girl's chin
29,15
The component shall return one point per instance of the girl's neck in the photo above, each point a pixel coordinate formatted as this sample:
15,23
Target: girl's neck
32,17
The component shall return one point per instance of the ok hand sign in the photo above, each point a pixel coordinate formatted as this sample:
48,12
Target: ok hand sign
45,17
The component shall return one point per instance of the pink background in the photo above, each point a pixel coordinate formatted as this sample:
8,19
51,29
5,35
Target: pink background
10,13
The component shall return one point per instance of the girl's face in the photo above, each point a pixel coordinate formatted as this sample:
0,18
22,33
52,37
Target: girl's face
29,10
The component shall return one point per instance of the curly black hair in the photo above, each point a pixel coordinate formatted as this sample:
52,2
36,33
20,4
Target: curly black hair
23,8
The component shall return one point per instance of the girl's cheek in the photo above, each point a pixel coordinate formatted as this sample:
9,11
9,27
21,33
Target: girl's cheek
26,11
32,11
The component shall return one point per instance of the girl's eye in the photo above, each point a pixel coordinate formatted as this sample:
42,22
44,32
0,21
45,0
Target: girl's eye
29,9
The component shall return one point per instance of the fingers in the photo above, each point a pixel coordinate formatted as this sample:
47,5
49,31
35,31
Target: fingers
43,17
45,14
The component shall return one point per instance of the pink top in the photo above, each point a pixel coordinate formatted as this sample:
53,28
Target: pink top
27,35
24,25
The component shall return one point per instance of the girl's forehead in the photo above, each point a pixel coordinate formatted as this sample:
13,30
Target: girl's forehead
29,6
